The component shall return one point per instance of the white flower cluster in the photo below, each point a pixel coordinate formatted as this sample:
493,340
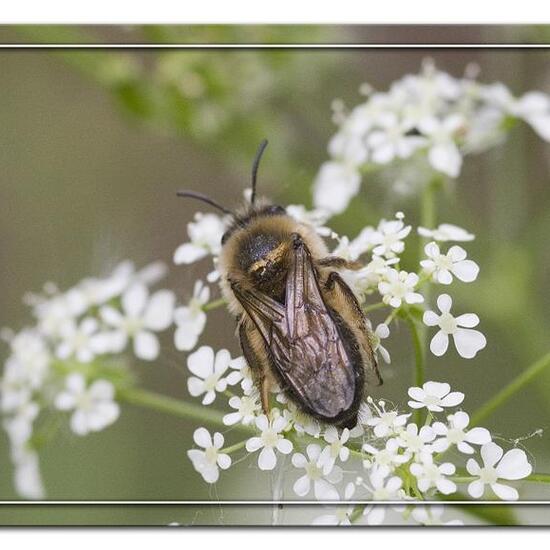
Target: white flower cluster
386,457
432,117
59,363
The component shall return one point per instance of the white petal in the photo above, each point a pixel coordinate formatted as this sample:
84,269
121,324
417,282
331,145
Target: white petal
444,277
224,461
467,271
267,459
284,446
541,125
111,316
301,486
438,389
476,489
444,303
445,486
159,311
439,343
253,444
491,453
460,419
453,399
201,362
195,386
202,438
299,460
479,436
188,253
134,299
430,318
146,345
457,253
221,362
467,320
514,465
185,340
446,158
473,467
468,342
504,492
417,393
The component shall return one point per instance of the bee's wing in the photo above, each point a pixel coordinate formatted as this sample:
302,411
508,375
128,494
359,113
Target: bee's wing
305,345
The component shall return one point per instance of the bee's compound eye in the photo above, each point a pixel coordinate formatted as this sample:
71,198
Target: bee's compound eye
276,210
225,236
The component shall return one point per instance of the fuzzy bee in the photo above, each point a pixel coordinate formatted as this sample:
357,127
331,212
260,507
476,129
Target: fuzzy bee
298,322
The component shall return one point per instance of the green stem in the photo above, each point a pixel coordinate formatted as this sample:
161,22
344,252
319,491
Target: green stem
538,478
214,304
233,448
513,387
165,404
419,366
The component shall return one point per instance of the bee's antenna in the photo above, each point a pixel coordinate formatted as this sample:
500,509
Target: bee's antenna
207,200
255,167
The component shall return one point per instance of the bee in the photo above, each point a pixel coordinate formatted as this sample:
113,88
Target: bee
298,322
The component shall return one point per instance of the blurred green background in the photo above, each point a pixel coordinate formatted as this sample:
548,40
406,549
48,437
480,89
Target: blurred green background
93,145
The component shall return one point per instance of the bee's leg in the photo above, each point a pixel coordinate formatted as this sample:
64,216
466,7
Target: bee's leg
339,295
338,263
264,394
257,359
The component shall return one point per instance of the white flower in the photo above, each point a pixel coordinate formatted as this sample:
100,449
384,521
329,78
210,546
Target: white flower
141,316
207,462
387,459
416,442
513,465
270,439
431,515
442,267
246,406
446,232
467,341
387,422
388,237
381,332
336,447
398,287
335,185
430,475
191,319
208,371
80,341
94,406
316,474
206,235
434,396
455,434
443,153
393,139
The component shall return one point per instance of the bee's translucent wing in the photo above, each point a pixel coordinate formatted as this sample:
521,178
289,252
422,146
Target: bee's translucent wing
312,352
